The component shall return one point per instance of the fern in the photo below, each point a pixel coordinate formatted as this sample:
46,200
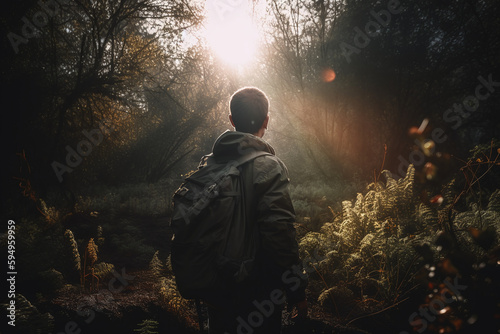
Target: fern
171,297
370,246
370,252
73,247
103,269
100,236
494,202
148,327
155,265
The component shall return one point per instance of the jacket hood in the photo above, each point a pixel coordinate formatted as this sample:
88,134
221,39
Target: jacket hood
233,144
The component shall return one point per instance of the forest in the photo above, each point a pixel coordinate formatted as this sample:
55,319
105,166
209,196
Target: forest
385,112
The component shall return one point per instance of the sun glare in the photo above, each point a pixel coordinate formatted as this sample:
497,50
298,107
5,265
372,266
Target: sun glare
232,35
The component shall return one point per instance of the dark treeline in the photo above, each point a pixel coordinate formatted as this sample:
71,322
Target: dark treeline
94,63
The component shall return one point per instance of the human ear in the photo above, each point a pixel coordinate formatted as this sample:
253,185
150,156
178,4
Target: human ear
265,123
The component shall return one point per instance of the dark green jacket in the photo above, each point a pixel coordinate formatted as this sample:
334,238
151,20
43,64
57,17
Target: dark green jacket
270,207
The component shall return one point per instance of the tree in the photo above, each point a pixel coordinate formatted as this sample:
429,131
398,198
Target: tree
95,61
388,67
183,116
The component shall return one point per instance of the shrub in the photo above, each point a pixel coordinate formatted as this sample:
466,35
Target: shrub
369,247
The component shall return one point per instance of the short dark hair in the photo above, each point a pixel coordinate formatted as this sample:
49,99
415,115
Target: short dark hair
249,107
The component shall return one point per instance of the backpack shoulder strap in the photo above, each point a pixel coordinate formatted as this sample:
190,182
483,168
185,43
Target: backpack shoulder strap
204,160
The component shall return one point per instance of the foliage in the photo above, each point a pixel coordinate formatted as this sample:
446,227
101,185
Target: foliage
99,236
88,268
386,247
134,199
417,65
30,320
463,266
481,167
103,270
171,298
369,248
74,253
311,202
50,281
107,63
128,244
147,326
156,266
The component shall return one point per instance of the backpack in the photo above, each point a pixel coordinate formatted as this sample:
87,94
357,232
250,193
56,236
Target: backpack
213,243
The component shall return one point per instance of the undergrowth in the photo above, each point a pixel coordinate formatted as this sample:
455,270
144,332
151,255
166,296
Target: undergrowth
391,244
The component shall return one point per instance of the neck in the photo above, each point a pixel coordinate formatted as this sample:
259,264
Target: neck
260,133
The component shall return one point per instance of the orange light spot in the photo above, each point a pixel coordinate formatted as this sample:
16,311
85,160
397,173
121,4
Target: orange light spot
474,232
413,131
437,199
328,75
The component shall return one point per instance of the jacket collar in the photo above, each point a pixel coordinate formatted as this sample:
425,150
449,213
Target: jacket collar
234,144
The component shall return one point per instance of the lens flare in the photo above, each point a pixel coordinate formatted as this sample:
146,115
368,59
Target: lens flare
328,75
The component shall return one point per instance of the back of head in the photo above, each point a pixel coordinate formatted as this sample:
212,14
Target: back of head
249,107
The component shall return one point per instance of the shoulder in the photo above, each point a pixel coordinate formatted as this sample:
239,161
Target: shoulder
269,167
